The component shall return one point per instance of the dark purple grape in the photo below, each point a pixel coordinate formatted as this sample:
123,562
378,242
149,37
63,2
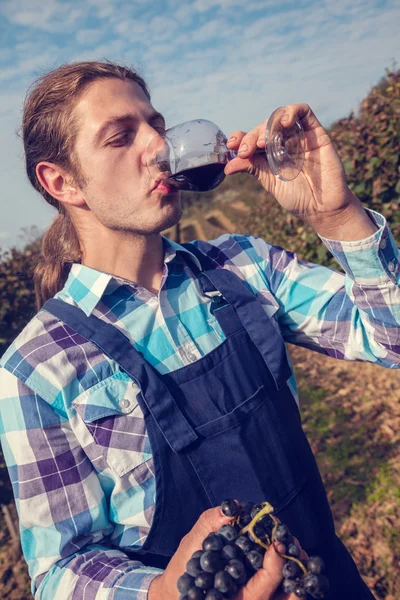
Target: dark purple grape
282,534
229,508
291,570
260,549
213,595
229,532
245,520
263,527
204,581
195,594
197,554
193,567
230,551
213,542
288,585
255,510
247,508
236,569
255,559
211,561
244,543
315,565
224,583
185,582
299,590
316,585
293,550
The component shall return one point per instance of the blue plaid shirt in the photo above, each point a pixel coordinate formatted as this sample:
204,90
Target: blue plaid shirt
84,488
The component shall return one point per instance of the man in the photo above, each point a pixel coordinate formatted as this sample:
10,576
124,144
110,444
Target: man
155,382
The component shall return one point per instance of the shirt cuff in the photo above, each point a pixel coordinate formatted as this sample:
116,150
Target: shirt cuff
135,584
374,259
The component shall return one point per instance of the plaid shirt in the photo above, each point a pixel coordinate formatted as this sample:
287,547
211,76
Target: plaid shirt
72,431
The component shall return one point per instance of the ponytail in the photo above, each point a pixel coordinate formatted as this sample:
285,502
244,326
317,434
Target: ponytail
60,248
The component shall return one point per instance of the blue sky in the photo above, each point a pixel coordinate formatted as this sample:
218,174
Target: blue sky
230,61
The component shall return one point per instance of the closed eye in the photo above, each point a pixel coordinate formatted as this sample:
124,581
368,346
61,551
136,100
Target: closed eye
121,139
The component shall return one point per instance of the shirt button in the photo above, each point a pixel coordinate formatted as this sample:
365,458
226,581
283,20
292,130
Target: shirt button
382,244
391,267
124,404
192,356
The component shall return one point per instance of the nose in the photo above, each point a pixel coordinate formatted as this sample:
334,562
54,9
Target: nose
151,141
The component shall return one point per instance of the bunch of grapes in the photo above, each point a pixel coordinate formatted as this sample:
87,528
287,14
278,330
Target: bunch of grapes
231,556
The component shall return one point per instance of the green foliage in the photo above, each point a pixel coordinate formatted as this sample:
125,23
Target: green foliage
369,146
17,298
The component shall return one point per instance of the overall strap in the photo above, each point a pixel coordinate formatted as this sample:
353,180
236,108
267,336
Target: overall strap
248,309
220,308
116,346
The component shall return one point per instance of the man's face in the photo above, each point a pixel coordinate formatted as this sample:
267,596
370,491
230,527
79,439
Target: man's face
115,125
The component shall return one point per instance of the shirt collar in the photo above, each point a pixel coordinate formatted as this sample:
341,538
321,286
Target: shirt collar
86,286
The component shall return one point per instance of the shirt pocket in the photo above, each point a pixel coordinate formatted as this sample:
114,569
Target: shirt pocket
114,424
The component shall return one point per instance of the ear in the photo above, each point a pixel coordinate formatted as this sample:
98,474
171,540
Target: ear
59,184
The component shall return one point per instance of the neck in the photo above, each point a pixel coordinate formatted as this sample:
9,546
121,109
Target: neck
137,258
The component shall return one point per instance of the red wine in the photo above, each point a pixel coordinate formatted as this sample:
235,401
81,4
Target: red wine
200,179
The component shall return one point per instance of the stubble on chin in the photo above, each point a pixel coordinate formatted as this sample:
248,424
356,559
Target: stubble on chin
171,219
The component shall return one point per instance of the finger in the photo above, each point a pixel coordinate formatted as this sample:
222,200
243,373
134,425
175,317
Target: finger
303,113
250,142
239,165
235,138
208,522
264,584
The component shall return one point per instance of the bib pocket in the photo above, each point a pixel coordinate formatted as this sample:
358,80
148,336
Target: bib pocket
249,451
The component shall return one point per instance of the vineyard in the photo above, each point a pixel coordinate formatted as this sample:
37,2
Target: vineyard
351,411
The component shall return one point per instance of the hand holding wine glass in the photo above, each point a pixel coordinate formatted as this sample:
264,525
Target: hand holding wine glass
320,190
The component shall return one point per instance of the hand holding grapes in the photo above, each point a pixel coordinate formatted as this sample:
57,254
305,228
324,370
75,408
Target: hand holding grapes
262,586
319,195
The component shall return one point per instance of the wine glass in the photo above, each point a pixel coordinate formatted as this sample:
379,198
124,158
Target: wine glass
192,155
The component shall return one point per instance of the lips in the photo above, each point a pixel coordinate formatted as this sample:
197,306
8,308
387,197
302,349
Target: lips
161,186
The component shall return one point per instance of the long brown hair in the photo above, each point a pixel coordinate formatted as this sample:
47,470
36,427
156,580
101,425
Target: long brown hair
49,133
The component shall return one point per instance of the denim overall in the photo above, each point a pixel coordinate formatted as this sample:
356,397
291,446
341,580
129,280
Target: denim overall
226,426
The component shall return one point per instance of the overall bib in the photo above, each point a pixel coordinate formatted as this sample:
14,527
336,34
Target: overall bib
226,426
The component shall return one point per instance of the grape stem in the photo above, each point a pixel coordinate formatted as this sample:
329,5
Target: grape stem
267,509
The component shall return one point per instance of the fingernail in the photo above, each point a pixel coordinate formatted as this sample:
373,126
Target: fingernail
233,138
281,548
243,148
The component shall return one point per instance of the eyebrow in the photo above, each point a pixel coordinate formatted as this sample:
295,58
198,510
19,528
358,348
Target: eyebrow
121,119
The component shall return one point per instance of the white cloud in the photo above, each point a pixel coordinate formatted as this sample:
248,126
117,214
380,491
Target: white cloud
46,15
104,8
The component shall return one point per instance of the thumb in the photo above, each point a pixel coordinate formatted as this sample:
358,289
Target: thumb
208,522
264,584
239,165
